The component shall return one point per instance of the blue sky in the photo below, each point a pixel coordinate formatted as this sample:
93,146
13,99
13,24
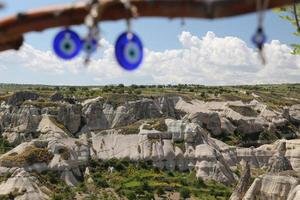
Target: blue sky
158,35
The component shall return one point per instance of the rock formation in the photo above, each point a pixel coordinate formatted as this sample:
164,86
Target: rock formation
243,184
64,137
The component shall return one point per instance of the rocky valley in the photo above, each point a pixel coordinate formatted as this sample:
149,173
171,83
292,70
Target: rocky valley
187,142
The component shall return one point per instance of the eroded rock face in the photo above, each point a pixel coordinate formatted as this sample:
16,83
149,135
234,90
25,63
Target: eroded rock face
20,97
214,124
94,117
186,145
23,124
294,193
196,151
211,165
70,116
227,127
167,105
57,97
278,162
23,186
120,116
5,116
271,187
294,113
144,109
243,184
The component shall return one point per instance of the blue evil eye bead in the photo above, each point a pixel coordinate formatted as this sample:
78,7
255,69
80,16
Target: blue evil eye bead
129,51
67,44
259,38
89,45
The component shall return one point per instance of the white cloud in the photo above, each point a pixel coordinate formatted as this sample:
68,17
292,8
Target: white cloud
38,61
208,60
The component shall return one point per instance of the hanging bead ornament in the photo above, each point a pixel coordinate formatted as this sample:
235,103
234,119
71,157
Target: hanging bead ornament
67,44
89,46
90,43
129,51
259,38
128,47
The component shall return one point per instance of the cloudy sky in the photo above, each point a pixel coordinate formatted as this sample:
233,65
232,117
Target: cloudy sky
206,52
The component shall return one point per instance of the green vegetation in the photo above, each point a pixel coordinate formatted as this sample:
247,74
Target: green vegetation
42,103
131,128
140,181
180,145
29,156
290,16
275,96
4,145
133,180
157,124
5,176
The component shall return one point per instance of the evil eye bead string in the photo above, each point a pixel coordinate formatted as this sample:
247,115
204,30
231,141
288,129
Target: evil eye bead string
90,43
129,51
67,44
259,38
128,47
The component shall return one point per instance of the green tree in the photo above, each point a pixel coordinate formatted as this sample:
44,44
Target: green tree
289,15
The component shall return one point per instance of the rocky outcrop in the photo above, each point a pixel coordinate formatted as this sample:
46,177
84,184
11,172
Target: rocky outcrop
210,164
49,129
214,124
278,162
23,186
294,113
167,106
243,184
19,97
94,117
211,121
186,143
70,116
57,97
23,124
275,187
227,127
197,152
144,109
294,193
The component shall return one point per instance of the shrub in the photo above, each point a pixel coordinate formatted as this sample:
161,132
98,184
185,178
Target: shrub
64,153
100,182
160,191
29,156
185,193
130,195
57,197
138,92
199,182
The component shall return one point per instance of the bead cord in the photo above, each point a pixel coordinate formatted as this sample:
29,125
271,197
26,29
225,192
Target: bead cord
90,43
259,37
128,47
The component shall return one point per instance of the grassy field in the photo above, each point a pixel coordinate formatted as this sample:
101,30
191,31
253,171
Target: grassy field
275,96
